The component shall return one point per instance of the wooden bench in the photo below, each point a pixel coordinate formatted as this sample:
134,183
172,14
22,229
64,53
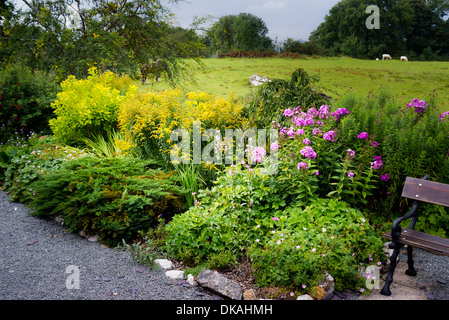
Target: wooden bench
420,190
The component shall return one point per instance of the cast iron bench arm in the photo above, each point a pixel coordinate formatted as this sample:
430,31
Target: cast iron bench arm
396,228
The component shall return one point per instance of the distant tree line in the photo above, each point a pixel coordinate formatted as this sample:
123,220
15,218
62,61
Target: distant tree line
70,36
415,28
418,29
244,32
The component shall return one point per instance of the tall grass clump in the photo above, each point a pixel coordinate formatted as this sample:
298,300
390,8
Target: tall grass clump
111,146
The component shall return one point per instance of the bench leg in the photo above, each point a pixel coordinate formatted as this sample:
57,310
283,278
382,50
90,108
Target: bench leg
393,262
411,269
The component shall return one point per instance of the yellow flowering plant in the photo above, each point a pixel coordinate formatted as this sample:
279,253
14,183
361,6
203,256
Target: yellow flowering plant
149,118
88,107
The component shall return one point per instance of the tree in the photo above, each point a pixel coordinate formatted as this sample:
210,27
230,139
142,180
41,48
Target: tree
344,29
302,47
242,32
70,36
429,27
407,27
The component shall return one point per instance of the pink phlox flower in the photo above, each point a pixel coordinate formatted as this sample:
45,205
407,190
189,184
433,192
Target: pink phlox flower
329,135
303,165
309,121
258,154
444,116
377,163
308,152
340,112
291,132
283,131
350,153
312,112
385,177
351,175
274,146
296,110
316,131
306,141
288,113
323,112
303,119
419,105
363,135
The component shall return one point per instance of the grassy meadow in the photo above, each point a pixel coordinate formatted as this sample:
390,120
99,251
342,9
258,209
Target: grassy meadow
406,80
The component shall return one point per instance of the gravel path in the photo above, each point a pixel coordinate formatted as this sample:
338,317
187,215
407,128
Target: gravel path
35,254
432,269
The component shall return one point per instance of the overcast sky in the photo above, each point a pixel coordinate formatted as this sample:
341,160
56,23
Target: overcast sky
283,18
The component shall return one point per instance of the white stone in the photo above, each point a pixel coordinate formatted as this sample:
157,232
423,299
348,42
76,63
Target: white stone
305,297
257,80
93,238
59,220
83,233
328,283
191,280
218,283
175,274
164,264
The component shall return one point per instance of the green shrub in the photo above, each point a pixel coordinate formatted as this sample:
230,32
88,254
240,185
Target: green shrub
88,107
305,243
198,233
113,198
274,97
243,213
25,99
31,159
222,216
222,260
6,155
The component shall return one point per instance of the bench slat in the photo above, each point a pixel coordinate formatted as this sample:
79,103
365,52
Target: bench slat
423,241
426,191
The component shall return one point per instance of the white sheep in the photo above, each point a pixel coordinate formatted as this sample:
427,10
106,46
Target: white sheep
404,58
386,57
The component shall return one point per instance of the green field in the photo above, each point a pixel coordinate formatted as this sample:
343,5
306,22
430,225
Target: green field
406,80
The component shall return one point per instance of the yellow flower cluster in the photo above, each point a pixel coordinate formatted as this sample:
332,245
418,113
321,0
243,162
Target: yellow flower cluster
88,106
154,115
